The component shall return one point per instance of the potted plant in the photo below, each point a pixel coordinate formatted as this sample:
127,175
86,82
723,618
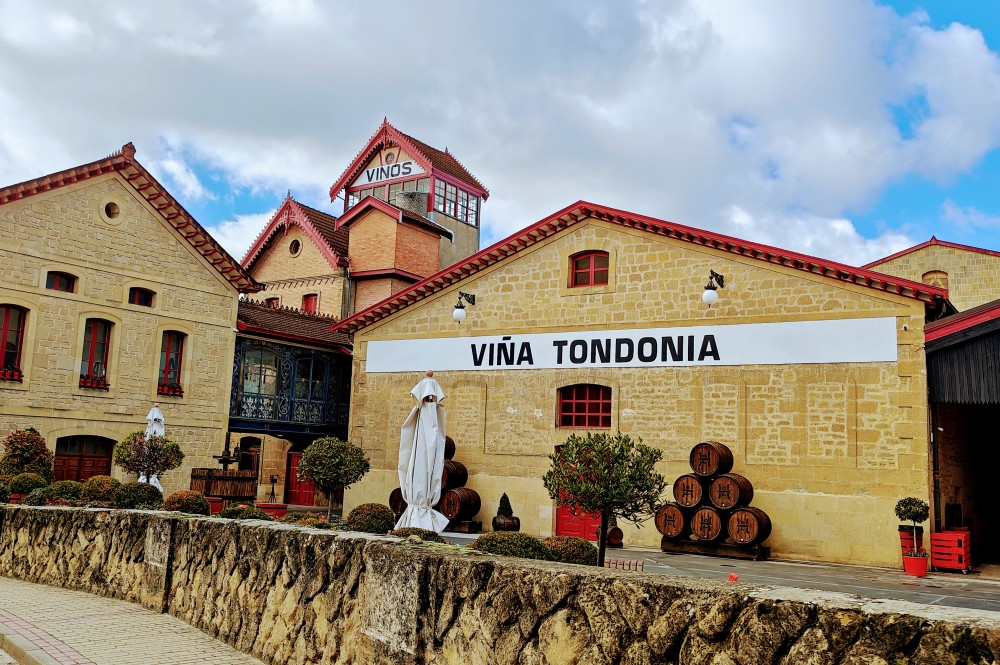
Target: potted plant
912,509
505,520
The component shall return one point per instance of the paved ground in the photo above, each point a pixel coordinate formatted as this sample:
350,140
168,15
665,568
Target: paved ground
46,625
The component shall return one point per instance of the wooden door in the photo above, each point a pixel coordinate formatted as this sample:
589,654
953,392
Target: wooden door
581,525
298,492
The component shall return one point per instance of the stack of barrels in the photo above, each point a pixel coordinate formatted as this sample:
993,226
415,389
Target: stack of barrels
458,503
712,504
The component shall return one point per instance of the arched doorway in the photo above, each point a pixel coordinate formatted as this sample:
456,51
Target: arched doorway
80,457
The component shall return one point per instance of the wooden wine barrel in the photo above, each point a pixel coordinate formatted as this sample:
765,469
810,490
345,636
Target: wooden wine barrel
710,458
689,490
449,447
672,522
730,490
454,475
707,523
396,501
615,537
460,503
749,526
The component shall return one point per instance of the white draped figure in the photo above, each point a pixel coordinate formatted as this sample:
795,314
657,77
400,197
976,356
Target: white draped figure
154,427
421,458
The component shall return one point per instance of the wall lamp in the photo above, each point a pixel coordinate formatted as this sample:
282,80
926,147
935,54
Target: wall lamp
710,296
459,313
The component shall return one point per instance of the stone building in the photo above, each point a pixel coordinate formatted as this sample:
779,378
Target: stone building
112,297
812,372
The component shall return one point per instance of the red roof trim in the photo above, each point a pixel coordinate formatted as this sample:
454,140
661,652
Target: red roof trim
962,321
582,210
294,215
152,192
932,241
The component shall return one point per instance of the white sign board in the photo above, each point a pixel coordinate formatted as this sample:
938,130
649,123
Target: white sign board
787,343
375,174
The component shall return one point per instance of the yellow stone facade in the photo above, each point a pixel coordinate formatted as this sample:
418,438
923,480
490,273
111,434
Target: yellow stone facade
66,230
289,276
829,448
973,276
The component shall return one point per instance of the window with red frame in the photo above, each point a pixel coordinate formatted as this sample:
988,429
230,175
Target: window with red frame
60,281
171,352
588,269
96,340
11,333
310,303
585,406
143,297
272,302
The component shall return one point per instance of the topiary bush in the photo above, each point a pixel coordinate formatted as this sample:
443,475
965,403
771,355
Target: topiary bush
24,451
138,495
423,534
504,510
99,489
243,511
4,493
512,543
371,518
25,483
570,549
67,491
188,501
35,497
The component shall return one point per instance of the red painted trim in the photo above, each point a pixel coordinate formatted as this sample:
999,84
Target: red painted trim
932,241
386,272
242,327
6,329
959,322
582,210
590,270
291,212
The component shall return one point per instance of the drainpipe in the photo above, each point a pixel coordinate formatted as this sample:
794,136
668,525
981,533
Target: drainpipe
935,471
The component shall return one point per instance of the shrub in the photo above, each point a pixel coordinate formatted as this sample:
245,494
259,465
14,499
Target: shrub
25,483
4,493
423,534
99,489
332,463
35,497
147,456
24,451
504,510
371,518
138,495
243,511
64,490
570,549
512,543
188,501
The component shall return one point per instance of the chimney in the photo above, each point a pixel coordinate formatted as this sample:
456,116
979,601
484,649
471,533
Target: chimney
415,202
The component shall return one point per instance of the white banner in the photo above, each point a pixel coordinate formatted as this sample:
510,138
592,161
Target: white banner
387,172
788,343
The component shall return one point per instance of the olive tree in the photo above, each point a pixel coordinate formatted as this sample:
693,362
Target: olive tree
147,455
606,473
331,463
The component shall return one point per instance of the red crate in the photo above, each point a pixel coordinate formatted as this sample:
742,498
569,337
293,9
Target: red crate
951,550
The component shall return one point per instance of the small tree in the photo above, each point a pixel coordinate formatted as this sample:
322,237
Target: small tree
912,509
24,451
331,463
605,473
147,456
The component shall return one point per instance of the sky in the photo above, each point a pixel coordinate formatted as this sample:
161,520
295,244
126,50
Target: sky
845,129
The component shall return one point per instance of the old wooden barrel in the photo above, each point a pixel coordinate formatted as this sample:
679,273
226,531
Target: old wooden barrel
615,537
749,526
460,503
707,523
396,501
455,475
449,447
710,458
672,522
730,490
689,490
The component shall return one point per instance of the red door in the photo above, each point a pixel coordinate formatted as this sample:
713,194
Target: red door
298,492
80,457
581,525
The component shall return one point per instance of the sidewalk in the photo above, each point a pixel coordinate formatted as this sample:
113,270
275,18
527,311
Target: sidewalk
42,625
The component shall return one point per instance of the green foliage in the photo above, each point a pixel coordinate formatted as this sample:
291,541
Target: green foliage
371,518
188,501
504,510
512,543
912,509
99,489
24,451
969,648
24,483
35,497
147,456
138,495
331,463
4,493
608,474
64,490
243,511
570,549
312,520
424,534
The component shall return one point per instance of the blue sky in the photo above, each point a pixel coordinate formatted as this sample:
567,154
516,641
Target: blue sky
846,129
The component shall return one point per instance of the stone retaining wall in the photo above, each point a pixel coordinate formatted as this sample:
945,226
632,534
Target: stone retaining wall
291,595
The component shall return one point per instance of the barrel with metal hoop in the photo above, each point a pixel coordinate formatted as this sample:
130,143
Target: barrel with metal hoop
454,475
708,523
730,490
710,458
749,526
673,521
689,490
460,503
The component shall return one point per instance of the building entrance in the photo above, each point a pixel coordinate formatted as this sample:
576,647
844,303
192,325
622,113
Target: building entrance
80,457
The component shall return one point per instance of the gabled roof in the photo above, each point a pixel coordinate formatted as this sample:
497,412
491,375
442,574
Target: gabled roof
149,189
370,202
321,227
582,211
962,321
432,159
932,241
290,324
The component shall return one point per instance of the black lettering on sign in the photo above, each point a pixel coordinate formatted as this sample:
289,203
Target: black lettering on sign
524,354
708,348
407,168
578,352
621,354
599,353
559,344
505,352
649,355
676,351
477,360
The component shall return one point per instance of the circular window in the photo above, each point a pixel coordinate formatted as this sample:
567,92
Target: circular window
294,247
389,157
111,209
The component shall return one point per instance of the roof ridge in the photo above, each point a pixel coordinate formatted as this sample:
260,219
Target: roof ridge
451,157
262,232
359,153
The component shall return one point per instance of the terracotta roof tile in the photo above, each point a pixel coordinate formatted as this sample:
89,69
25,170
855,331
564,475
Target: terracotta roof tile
326,224
444,161
289,323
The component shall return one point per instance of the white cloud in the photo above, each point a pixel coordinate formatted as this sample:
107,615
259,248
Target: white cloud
182,176
968,218
236,235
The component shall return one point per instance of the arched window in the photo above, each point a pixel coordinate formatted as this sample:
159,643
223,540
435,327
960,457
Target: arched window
138,296
260,372
936,278
12,320
310,303
60,281
94,359
588,269
585,406
171,353
272,302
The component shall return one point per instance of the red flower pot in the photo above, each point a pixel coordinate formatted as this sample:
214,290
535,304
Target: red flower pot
215,503
915,565
16,498
275,510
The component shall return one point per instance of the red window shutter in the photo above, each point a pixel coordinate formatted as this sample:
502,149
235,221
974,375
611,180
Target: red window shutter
310,303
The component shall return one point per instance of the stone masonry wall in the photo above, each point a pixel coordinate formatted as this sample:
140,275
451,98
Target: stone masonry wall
973,277
291,595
